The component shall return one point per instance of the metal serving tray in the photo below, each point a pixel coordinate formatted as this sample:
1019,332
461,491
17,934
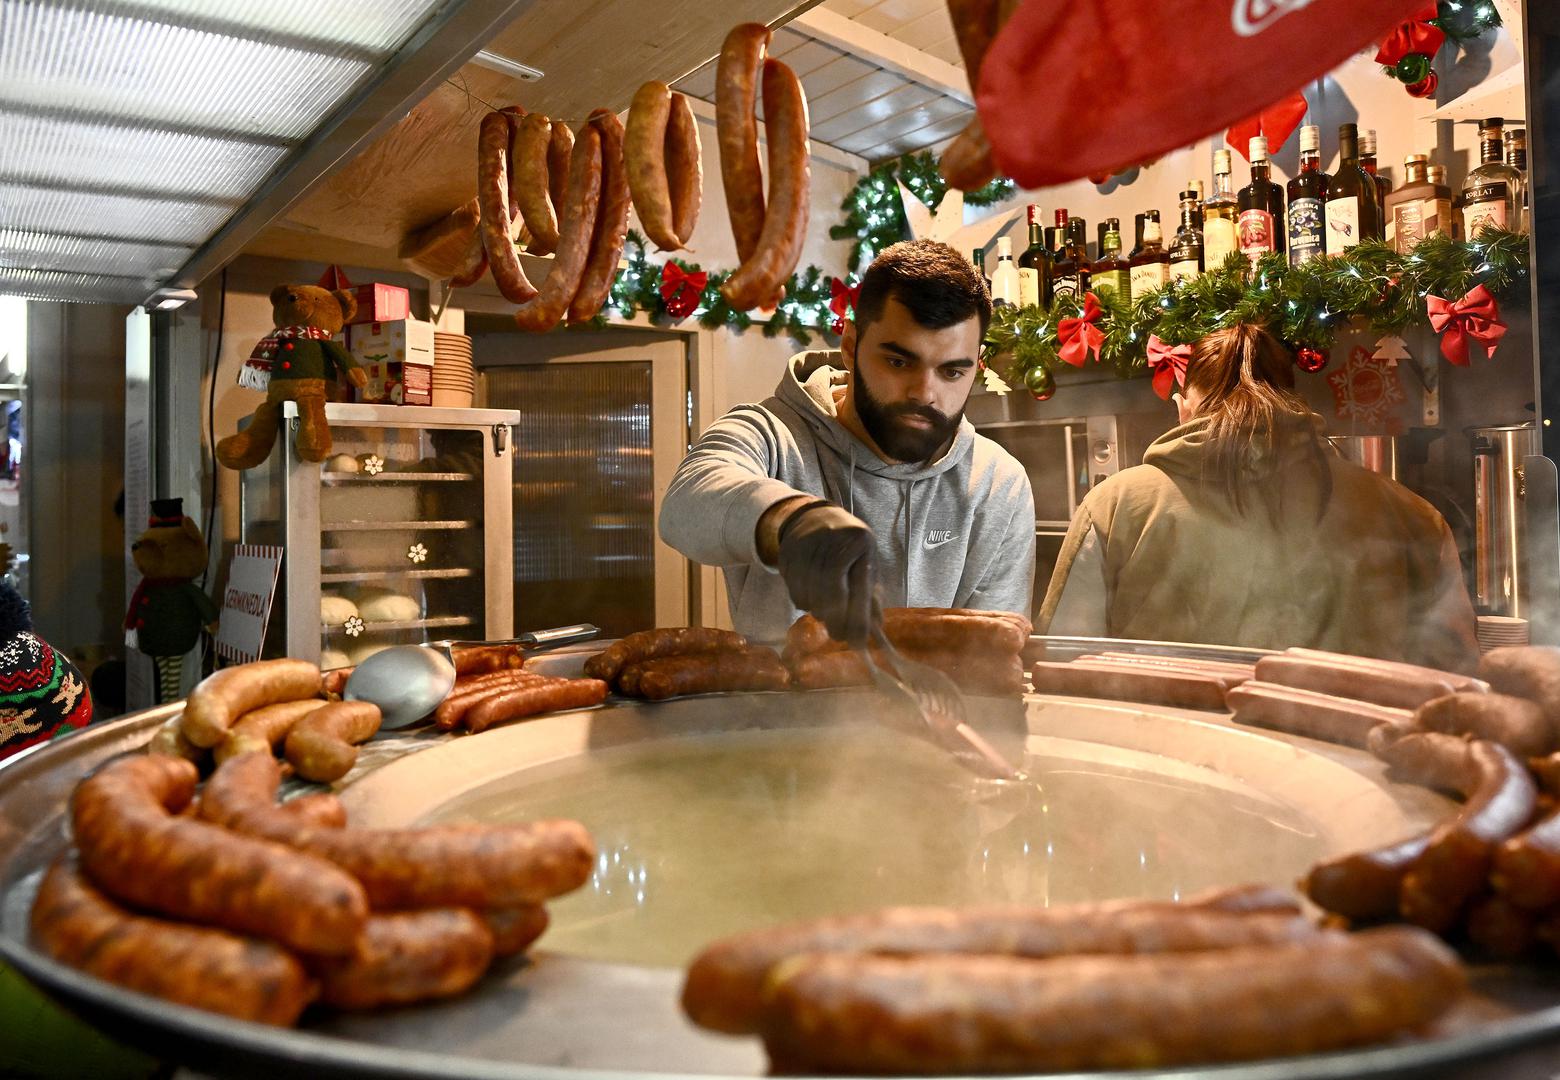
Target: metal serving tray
562,1017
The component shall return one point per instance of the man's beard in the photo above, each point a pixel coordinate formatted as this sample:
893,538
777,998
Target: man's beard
901,441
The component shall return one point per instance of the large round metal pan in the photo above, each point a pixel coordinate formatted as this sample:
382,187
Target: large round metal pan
560,1016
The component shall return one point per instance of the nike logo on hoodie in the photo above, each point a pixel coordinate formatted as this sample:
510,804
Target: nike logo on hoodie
936,538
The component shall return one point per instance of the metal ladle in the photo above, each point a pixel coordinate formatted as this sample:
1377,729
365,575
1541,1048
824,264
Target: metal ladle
408,682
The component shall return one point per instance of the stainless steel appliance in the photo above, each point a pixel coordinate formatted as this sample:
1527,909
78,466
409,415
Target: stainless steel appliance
1378,453
1498,515
403,536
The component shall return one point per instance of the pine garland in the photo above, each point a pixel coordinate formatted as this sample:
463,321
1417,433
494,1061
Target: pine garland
874,212
1303,305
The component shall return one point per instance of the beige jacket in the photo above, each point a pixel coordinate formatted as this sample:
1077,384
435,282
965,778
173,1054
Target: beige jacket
1156,553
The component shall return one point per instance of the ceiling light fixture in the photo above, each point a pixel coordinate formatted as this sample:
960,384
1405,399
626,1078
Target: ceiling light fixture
504,65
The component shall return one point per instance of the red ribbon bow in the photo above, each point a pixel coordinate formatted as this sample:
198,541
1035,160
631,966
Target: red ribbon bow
681,289
1079,336
842,298
1168,363
1416,35
1475,316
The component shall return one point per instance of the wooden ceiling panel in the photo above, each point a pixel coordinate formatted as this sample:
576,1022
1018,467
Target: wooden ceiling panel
888,16
880,110
919,139
906,122
853,95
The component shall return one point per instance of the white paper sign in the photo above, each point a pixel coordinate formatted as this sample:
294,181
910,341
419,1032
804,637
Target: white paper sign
246,606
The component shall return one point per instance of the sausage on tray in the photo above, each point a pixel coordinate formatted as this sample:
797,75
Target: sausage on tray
529,188
169,739
1236,673
264,728
961,1015
190,965
1526,671
1500,928
1515,723
676,676
473,660
645,152
135,849
514,928
1396,667
1364,886
1127,683
724,987
762,275
606,245
493,195
319,808
334,681
453,709
550,695
994,674
737,74
323,745
684,168
578,228
475,866
652,644
1394,689
222,697
1310,714
406,957
925,629
1527,866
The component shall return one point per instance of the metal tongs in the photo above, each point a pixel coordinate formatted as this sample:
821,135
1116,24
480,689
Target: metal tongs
935,698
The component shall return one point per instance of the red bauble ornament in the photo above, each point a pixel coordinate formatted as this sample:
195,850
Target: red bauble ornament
1309,359
1424,87
1040,383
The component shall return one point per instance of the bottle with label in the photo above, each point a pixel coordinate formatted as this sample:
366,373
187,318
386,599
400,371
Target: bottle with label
1353,214
1137,235
1220,212
1186,250
1112,273
1419,208
1034,266
1261,204
1078,239
979,259
1067,263
1493,194
1516,157
1151,267
1308,201
1004,279
1368,163
1437,176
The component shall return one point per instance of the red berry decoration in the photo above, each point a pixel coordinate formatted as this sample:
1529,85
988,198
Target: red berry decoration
1311,360
1424,87
1040,383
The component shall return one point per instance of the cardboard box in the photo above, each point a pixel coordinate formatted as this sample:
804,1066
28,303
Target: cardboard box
381,303
398,358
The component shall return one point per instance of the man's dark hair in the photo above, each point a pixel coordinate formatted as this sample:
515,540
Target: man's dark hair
939,286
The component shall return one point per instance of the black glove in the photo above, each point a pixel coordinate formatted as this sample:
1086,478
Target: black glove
827,562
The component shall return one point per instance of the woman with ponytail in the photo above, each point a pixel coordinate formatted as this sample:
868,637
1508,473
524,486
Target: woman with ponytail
1243,527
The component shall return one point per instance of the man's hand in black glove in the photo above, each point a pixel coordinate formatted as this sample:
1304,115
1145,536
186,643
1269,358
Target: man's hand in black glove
827,562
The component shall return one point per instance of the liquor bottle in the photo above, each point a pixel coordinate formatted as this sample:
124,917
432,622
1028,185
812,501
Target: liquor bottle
1186,251
979,259
1151,268
1419,208
1261,205
1353,214
1004,279
1137,236
1437,176
1034,266
1493,194
1516,157
1112,272
1308,201
1196,186
1067,263
1078,232
1220,212
1368,163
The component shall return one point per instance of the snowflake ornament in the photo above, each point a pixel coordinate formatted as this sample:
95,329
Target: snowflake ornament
353,626
1367,389
373,464
417,553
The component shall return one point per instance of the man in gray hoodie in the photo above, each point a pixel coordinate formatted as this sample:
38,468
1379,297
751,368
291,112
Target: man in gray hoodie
861,476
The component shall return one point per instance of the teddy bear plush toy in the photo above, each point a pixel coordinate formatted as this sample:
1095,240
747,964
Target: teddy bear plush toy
295,363
168,610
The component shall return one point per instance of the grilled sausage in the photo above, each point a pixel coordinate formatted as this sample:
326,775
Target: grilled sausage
483,659
967,164
725,983
1126,683
264,728
1393,689
406,957
606,245
736,126
333,683
550,695
223,696
925,629
575,235
1312,715
476,866
1526,671
136,850
452,711
493,196
514,928
684,168
707,673
169,739
1515,723
190,965
1233,673
323,745
961,1015
319,808
1527,866
765,271
1371,663
534,204
560,150
644,151
653,644
1364,886
1503,930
